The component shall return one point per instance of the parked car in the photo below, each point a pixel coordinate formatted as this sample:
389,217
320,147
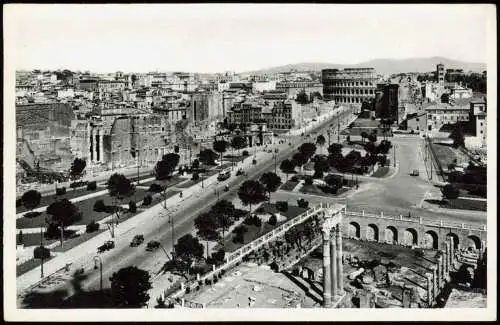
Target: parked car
152,245
138,239
415,172
223,176
106,246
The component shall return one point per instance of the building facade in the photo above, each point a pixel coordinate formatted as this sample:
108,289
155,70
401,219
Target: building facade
349,86
440,73
443,113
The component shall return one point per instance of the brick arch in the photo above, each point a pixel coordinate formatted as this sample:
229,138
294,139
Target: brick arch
410,237
354,230
456,240
431,240
391,235
372,232
473,241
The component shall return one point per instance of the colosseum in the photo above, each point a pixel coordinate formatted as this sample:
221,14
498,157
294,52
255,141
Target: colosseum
350,85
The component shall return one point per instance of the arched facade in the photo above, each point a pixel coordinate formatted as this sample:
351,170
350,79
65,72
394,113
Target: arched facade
410,237
372,232
354,230
431,240
391,235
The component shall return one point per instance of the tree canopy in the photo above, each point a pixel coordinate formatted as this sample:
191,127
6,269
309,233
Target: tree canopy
31,199
302,98
299,159
251,192
238,142
166,166
120,186
188,248
308,149
77,167
335,148
271,182
450,191
64,212
457,136
320,140
129,287
208,157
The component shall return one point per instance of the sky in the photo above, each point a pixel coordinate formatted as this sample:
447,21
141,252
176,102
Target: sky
219,38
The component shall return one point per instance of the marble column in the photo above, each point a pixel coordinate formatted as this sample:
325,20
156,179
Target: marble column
428,276
447,259
440,272
333,265
101,149
435,289
452,253
340,278
327,296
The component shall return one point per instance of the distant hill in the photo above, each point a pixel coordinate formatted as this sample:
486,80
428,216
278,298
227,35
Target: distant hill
382,66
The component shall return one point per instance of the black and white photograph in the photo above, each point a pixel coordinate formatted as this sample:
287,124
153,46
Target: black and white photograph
249,162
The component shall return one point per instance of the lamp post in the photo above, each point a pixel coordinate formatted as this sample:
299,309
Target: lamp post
41,245
395,156
98,258
171,222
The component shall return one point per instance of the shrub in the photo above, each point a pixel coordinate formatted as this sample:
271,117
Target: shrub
148,199
92,186
294,179
78,184
195,177
273,220
450,191
208,282
245,153
282,206
200,283
188,289
92,227
30,215
156,188
99,206
41,252
308,180
254,162
302,203
132,207
60,190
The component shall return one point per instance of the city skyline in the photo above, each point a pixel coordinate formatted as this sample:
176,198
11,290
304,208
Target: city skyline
241,38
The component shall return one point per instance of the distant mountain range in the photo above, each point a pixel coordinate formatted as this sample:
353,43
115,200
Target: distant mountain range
382,66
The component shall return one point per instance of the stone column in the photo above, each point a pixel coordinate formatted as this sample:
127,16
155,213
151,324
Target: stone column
340,268
435,289
452,253
440,272
429,289
101,149
447,258
327,295
94,144
333,265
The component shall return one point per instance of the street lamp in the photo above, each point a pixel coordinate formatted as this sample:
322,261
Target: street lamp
98,258
395,155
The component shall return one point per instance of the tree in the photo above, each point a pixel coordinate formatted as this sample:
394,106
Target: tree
129,287
308,149
77,167
271,182
238,142
64,213
188,248
195,164
220,146
335,148
166,166
299,159
302,97
119,187
320,140
41,252
370,147
457,136
334,181
320,167
31,199
450,192
251,192
287,167
208,157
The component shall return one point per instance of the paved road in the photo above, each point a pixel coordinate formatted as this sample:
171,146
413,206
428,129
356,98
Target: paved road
159,228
